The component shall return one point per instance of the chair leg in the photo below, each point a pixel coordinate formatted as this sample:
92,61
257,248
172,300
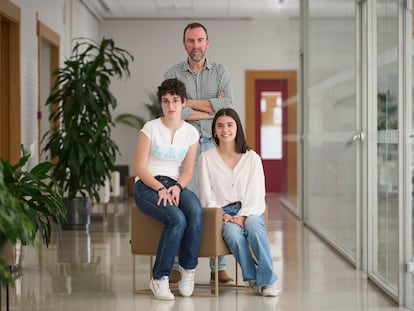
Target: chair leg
151,265
133,274
216,280
7,292
105,212
134,278
7,298
237,273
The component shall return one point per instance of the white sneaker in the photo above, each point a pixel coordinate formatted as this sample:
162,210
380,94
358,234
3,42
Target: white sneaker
186,285
269,291
266,290
253,286
161,288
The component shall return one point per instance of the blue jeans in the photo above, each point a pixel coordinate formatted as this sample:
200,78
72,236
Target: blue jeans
203,145
182,226
253,237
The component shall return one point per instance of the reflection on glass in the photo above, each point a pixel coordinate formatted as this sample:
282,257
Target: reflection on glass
331,114
385,255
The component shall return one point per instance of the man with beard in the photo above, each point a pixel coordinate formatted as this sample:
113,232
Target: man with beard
209,89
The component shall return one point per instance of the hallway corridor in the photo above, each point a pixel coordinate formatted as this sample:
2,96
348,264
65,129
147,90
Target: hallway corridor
91,271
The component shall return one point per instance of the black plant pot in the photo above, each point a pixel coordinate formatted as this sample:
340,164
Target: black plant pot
78,216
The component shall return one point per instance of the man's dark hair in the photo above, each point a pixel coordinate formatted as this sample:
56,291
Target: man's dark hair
172,86
192,26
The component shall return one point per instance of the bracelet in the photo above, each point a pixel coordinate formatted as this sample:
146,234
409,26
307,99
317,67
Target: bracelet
162,188
179,186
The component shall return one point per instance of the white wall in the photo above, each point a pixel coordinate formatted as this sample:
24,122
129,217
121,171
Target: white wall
156,45
57,15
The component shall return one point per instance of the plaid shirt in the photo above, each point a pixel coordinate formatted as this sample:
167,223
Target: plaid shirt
206,84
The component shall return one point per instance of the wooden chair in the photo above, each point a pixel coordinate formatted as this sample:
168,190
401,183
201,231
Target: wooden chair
146,232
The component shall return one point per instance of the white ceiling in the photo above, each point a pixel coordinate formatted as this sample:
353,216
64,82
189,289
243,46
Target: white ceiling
190,9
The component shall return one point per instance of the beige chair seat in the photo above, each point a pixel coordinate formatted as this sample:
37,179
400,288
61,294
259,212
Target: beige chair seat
146,233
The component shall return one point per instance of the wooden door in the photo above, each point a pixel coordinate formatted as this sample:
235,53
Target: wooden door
270,119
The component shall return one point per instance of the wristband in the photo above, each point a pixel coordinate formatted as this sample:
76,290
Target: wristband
179,186
162,188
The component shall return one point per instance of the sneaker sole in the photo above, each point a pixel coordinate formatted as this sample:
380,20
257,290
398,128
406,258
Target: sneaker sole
184,294
275,294
159,297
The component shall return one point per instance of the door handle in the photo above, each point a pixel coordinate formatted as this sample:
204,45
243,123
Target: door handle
358,136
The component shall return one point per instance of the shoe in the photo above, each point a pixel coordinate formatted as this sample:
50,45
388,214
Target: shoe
253,286
186,285
223,277
161,288
265,290
269,291
175,276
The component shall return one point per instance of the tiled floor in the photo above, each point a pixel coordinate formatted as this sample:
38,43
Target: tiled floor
92,271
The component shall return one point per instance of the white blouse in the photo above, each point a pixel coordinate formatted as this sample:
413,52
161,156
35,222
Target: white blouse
220,185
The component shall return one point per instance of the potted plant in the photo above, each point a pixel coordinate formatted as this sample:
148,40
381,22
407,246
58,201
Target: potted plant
79,141
31,202
14,225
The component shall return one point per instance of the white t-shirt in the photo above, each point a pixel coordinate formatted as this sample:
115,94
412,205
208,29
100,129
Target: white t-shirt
166,156
220,185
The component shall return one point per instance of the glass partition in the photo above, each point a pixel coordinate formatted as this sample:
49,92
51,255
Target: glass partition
287,121
409,232
384,261
331,198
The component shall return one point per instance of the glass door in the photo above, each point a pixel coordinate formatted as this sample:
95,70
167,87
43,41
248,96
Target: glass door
383,262
332,134
409,160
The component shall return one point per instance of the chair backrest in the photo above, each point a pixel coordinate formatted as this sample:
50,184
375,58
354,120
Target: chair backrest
123,172
146,233
105,192
7,253
115,184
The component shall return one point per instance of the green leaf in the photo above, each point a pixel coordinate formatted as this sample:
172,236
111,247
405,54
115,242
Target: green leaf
82,99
